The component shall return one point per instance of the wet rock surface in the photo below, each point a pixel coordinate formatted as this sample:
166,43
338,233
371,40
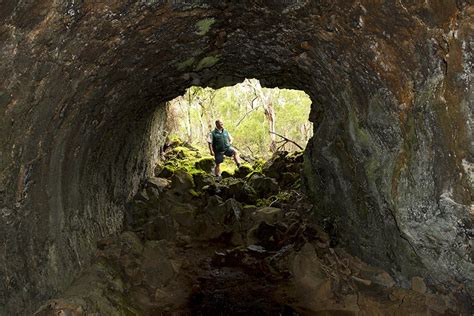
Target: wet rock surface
213,254
82,92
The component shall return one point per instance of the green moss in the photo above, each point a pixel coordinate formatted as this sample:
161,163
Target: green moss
186,64
227,174
295,154
262,202
258,165
203,26
207,62
249,206
205,164
167,171
372,166
360,134
194,193
184,152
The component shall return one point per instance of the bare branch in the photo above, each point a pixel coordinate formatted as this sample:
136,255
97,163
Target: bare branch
245,115
288,140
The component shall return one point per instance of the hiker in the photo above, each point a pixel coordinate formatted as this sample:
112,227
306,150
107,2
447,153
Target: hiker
219,142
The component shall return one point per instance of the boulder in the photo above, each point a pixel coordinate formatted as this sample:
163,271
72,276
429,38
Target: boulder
161,227
205,164
137,213
157,266
276,165
131,243
243,171
418,285
269,215
157,183
181,186
202,179
218,218
167,171
226,174
295,157
237,189
182,213
154,187
266,235
312,283
289,179
264,186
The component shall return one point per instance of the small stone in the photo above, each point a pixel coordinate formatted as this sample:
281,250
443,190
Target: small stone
418,285
158,183
384,279
362,281
436,303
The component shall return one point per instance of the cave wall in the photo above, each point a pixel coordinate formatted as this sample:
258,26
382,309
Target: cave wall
81,100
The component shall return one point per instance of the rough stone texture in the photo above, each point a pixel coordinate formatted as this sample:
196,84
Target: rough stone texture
390,163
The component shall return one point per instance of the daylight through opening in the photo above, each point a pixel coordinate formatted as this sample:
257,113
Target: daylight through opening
260,120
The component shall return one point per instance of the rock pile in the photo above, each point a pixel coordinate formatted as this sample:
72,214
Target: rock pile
245,245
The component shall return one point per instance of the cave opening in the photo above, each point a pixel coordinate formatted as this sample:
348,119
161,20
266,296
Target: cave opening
262,120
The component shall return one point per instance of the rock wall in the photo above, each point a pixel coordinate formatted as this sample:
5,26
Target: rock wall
81,94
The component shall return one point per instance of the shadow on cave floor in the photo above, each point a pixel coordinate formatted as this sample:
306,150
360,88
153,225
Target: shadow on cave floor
243,246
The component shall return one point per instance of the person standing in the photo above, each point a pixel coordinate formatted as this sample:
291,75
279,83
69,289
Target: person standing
220,145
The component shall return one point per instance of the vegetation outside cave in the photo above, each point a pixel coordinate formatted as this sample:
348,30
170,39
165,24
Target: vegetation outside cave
259,119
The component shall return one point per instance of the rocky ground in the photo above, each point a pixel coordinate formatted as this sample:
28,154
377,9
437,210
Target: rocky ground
243,246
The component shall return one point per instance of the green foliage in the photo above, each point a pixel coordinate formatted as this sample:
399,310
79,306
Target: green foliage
186,64
242,109
207,62
204,25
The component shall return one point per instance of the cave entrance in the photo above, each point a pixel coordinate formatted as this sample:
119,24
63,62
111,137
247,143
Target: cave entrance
260,120
229,236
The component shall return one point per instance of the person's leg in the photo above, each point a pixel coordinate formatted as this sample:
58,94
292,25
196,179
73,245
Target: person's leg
236,158
219,158
231,152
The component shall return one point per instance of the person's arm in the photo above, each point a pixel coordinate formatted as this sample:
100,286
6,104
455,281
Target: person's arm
210,149
230,138
209,143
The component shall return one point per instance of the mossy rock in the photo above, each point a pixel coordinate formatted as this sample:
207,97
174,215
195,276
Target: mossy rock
264,186
296,156
237,189
205,164
173,142
275,165
167,172
243,171
183,152
202,179
253,174
161,227
181,181
227,174
288,179
258,164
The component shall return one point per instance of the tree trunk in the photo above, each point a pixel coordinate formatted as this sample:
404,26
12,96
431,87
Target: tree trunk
270,116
